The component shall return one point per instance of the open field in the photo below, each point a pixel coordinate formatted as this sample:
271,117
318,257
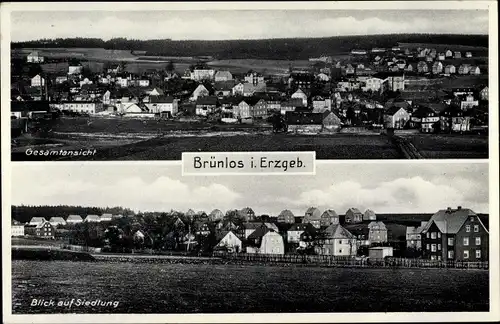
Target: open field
449,146
198,288
262,66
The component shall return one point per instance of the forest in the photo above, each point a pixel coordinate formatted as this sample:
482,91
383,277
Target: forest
284,48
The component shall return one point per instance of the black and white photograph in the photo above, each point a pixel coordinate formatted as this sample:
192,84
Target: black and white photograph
353,238
250,162
347,84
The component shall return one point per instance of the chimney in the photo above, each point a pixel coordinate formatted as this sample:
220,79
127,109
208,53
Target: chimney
459,207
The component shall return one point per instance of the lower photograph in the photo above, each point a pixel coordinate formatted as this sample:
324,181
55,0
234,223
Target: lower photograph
140,238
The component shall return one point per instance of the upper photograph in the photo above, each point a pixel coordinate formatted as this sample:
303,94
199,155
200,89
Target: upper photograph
346,84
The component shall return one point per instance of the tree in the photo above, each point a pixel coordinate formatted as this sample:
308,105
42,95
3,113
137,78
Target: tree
170,66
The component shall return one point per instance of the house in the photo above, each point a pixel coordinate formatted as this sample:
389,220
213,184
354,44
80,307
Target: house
37,81
294,232
299,94
156,92
248,228
223,76
328,218
475,70
265,241
246,108
483,93
216,215
247,213
286,216
259,110
88,107
290,105
163,105
206,105
34,57
45,230
202,74
319,103
441,56
450,69
322,77
425,119
37,221
464,69
422,67
254,78
202,229
380,252
437,67
200,91
353,215
138,236
467,102
313,217
224,88
106,217
305,122
455,234
61,79
335,240
230,242
17,230
331,122
448,53
250,89
369,215
396,117
410,67
142,82
75,69
455,120
413,237
375,84
238,89
92,219
349,69
468,54
55,221
106,98
74,219
377,232
457,55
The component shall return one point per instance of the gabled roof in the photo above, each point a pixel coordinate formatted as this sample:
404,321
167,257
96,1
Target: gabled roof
251,225
207,100
92,217
449,221
259,232
329,213
369,212
393,110
161,99
43,224
224,85
337,231
286,213
354,210
56,219
216,213
74,217
381,225
223,74
38,219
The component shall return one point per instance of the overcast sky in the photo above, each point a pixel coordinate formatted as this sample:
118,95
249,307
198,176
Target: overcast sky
383,187
242,24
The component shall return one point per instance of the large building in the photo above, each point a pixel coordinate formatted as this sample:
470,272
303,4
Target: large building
455,234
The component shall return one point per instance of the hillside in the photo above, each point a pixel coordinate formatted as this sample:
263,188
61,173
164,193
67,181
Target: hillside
286,49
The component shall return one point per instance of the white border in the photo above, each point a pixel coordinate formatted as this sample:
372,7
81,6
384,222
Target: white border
261,318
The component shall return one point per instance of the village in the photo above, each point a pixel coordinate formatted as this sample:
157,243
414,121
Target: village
403,88
451,234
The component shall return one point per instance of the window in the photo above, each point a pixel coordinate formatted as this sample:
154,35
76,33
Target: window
439,257
466,241
439,234
427,247
439,247
433,248
433,235
466,254
428,235
478,254
450,241
467,228
340,241
476,228
478,240
472,218
433,257
450,254
340,251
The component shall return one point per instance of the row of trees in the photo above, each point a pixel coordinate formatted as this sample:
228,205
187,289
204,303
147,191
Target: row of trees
288,49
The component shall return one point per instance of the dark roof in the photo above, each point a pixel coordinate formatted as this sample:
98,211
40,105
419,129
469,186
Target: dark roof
391,111
224,85
29,106
449,220
252,101
161,99
304,118
259,232
208,100
423,111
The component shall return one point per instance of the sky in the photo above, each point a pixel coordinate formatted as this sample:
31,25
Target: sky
241,24
404,187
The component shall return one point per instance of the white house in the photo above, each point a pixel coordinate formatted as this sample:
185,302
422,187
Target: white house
106,217
396,117
373,84
200,91
34,57
231,242
223,76
92,219
272,243
202,74
55,221
323,77
75,69
143,83
17,230
299,94
163,104
88,107
37,81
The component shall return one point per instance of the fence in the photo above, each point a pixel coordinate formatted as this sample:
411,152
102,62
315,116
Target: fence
349,261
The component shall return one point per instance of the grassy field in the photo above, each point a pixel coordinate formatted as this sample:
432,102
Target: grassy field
198,288
243,65
444,146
